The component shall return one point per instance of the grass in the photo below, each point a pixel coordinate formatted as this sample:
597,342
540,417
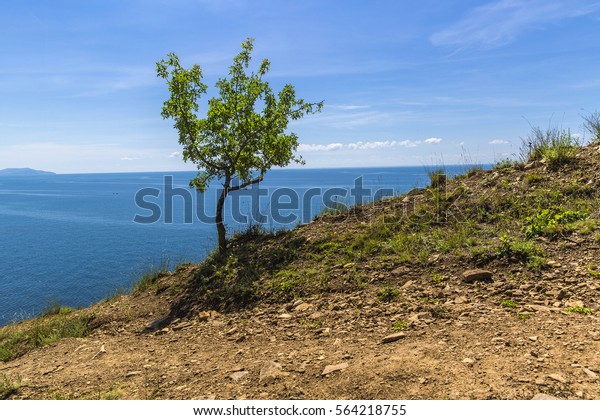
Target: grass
388,293
17,340
9,386
398,326
508,304
578,310
552,222
591,124
522,250
556,146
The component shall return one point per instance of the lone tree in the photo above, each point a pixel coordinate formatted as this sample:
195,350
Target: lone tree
243,134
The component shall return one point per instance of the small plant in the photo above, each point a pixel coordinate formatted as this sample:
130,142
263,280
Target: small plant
56,308
556,146
533,179
551,223
437,178
508,304
504,164
579,309
526,316
437,278
388,293
525,251
591,124
9,386
399,326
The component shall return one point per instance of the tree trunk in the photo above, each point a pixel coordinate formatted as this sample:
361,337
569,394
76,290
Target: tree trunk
219,220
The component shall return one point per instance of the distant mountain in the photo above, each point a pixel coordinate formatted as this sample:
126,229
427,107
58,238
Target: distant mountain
23,171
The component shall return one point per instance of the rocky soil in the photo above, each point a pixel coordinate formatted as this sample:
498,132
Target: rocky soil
504,331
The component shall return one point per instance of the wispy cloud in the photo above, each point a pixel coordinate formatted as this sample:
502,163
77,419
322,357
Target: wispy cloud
319,147
498,141
367,145
499,23
175,155
130,158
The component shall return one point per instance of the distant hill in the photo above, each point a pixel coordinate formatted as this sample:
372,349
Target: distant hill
23,171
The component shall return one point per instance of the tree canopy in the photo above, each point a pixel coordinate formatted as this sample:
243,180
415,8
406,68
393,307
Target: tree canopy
244,132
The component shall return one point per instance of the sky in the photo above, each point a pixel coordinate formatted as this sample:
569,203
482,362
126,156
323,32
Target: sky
403,82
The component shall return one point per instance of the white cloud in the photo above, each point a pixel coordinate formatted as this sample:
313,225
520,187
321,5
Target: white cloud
500,22
319,147
175,155
129,158
432,140
347,107
498,141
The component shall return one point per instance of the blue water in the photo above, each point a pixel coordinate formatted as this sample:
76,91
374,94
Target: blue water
71,239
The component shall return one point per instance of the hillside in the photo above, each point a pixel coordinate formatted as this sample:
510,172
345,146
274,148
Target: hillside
482,287
23,172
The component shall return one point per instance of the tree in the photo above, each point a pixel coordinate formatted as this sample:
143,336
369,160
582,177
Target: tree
244,132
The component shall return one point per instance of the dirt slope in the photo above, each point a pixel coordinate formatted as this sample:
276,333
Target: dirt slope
305,314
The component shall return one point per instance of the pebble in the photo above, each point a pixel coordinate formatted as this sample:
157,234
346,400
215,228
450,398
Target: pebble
393,337
334,368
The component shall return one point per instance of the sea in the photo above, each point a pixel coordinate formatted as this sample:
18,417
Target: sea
75,239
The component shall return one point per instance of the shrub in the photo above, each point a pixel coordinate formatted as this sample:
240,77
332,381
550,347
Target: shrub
556,146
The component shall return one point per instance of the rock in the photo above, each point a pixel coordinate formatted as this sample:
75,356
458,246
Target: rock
182,325
284,316
270,370
206,315
468,361
302,307
533,338
236,376
133,373
393,337
471,276
349,265
557,377
590,373
541,396
400,271
159,323
333,368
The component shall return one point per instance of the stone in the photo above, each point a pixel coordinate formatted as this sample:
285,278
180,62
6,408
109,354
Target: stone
393,337
334,368
557,377
270,370
182,325
284,316
236,376
471,276
302,307
159,323
542,396
133,373
590,373
468,361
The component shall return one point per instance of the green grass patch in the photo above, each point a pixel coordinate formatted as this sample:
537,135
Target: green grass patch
578,310
17,340
508,304
388,293
552,222
556,146
9,386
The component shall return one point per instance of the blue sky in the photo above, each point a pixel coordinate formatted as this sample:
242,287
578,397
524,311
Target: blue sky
404,82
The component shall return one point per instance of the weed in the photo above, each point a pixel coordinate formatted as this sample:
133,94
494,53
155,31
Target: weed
437,278
579,309
556,146
508,304
525,316
551,223
533,179
591,124
56,308
524,251
147,280
388,293
437,178
399,326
